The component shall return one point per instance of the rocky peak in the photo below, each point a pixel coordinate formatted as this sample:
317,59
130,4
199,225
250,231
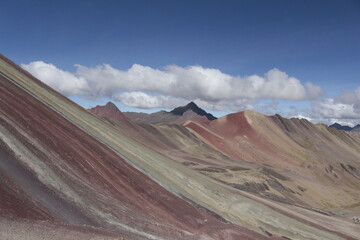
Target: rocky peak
193,107
110,110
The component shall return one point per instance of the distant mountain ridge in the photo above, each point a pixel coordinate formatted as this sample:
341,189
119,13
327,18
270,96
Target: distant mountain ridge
346,128
110,111
178,115
356,128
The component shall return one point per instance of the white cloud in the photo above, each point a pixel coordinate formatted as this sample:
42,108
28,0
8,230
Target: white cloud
277,84
173,84
313,91
223,105
343,109
64,82
331,109
351,98
145,101
348,97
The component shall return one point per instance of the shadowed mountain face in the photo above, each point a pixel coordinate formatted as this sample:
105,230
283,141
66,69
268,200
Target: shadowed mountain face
245,176
193,107
341,127
346,128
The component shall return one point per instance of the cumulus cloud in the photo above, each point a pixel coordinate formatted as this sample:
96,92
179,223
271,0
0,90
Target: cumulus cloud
195,82
351,98
331,109
146,101
348,97
313,91
223,105
64,82
345,109
146,87
277,84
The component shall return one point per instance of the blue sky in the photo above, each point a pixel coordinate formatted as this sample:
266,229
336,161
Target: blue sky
312,41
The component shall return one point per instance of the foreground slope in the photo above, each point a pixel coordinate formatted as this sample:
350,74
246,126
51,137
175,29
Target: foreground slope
65,164
53,170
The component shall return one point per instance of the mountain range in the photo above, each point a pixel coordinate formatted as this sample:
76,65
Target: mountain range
178,115
71,173
346,128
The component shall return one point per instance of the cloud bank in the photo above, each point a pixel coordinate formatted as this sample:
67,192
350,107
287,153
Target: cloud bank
145,87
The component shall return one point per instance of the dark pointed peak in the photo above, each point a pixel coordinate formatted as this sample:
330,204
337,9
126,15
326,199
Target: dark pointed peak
193,107
110,104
